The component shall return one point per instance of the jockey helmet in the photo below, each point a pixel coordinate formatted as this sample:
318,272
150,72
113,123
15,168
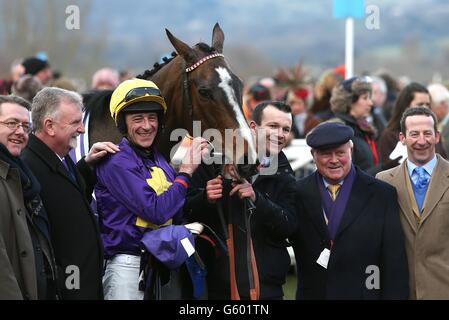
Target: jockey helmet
137,95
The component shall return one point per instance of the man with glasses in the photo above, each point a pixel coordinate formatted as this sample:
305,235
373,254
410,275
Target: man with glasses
27,265
57,122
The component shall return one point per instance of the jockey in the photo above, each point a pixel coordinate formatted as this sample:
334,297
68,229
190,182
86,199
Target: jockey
137,189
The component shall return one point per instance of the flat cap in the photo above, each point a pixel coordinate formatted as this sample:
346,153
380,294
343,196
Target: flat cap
329,135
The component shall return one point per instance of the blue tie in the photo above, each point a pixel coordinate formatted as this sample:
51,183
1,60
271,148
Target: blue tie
423,181
420,187
69,169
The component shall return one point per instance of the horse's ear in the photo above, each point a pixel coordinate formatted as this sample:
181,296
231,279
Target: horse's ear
182,48
217,38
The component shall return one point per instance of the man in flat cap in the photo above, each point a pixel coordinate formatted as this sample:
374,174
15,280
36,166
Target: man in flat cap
349,243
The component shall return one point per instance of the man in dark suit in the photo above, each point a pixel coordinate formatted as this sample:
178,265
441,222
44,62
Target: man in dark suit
272,192
349,243
57,121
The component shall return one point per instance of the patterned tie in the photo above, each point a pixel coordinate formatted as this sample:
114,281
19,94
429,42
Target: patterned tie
333,189
423,181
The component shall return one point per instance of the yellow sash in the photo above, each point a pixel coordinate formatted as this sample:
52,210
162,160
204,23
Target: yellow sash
158,182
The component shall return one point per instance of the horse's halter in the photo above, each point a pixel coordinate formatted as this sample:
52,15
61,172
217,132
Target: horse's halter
245,171
187,101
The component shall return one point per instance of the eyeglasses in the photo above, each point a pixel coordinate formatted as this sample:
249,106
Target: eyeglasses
347,84
14,125
141,92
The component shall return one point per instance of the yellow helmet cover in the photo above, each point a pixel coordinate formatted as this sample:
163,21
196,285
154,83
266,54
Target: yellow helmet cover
132,91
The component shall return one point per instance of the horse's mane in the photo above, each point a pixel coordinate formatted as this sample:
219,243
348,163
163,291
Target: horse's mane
93,99
157,66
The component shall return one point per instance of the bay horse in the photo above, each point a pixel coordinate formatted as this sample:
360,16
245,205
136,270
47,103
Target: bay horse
198,85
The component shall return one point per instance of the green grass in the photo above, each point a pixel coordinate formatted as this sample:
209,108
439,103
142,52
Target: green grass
290,286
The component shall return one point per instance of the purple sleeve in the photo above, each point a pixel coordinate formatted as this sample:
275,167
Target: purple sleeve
127,184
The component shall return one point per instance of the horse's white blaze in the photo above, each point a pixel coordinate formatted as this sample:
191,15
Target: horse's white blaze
230,94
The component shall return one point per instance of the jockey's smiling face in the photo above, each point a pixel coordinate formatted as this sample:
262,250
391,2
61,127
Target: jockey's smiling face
142,128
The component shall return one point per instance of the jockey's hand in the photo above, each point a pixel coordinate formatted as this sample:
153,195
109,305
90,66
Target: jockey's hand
214,189
99,150
193,156
244,189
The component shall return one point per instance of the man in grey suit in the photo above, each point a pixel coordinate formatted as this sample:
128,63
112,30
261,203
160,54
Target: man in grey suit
422,184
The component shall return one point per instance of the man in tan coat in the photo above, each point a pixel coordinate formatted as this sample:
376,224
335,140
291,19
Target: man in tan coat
17,260
422,183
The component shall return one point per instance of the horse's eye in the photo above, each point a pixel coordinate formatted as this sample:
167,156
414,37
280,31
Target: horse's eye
206,93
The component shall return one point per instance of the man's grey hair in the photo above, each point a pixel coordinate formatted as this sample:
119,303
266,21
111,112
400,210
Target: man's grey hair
14,100
381,82
47,102
438,92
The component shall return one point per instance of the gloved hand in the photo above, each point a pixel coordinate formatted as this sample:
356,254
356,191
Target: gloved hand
391,163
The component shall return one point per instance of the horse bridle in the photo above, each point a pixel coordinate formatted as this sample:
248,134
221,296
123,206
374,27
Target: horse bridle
187,101
247,207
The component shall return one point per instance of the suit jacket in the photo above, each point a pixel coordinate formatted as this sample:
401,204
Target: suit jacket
73,227
272,222
17,264
368,236
426,235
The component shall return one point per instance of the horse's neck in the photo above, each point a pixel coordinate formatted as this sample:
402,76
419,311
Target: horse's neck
169,80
